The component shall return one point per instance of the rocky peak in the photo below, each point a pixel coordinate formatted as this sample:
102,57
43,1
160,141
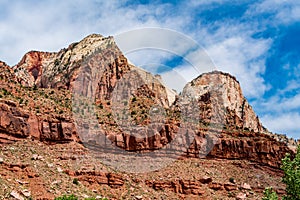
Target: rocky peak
30,68
54,70
95,64
221,96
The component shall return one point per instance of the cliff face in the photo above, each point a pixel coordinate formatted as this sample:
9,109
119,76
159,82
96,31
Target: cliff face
16,123
222,102
94,64
59,70
93,82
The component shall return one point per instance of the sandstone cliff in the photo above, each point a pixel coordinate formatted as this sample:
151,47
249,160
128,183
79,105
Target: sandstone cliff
115,103
222,102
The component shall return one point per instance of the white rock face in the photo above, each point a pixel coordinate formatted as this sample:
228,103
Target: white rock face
44,68
226,99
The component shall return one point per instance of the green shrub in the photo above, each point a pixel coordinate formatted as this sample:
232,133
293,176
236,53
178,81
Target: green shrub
269,194
72,197
65,197
231,180
56,62
75,181
133,99
5,92
291,176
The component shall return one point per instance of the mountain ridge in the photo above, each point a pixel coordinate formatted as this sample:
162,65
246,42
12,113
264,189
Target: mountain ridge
89,95
61,71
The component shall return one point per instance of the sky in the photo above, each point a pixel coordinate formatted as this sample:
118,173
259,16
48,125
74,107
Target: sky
256,41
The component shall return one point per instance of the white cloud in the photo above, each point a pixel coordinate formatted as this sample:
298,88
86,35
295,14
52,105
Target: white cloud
206,2
148,46
277,104
240,56
286,123
285,11
292,85
176,80
51,26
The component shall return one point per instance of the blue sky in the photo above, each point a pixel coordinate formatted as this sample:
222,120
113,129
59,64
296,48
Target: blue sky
256,41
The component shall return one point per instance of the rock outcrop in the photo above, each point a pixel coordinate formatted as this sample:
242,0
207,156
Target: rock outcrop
94,64
222,102
102,178
16,123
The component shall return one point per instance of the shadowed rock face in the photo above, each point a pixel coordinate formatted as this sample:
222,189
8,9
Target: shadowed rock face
211,108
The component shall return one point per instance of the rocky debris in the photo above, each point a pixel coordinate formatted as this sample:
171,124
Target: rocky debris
26,193
178,186
183,179
34,157
230,186
59,169
206,180
140,197
37,157
241,196
216,186
22,182
16,195
193,187
112,179
246,186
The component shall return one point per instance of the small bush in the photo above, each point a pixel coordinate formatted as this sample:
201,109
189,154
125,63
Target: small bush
75,181
133,112
291,176
72,197
56,62
269,194
133,99
65,197
5,92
